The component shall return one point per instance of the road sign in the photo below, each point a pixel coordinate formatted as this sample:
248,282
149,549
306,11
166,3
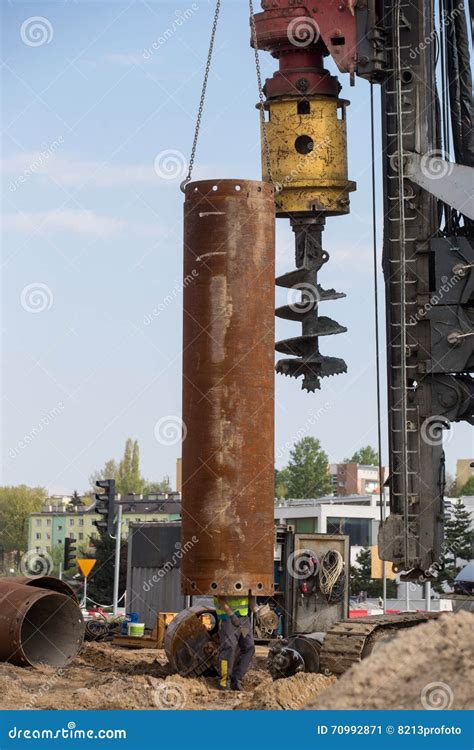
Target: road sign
85,566
376,566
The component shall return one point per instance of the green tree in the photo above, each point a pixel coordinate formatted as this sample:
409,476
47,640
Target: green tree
152,488
57,556
450,486
366,456
361,577
137,480
307,472
360,572
468,488
100,586
130,480
458,540
16,504
109,471
126,473
281,483
76,499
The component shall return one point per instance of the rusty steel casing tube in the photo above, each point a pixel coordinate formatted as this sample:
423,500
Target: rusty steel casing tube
45,582
228,388
38,626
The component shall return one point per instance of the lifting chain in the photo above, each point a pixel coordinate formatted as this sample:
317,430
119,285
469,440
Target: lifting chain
203,97
261,97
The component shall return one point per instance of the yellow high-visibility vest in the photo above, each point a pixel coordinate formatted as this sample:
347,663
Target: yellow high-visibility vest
238,604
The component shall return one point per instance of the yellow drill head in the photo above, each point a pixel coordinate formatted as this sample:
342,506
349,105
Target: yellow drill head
308,155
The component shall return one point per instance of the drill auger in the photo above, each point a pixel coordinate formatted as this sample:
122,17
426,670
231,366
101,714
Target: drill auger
304,350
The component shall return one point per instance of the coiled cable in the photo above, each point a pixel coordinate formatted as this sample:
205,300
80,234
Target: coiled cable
331,576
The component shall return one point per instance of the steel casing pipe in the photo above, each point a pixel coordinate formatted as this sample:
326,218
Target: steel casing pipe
228,388
38,626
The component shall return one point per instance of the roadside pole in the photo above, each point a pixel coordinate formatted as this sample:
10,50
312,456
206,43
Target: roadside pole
118,534
85,565
383,516
428,596
384,587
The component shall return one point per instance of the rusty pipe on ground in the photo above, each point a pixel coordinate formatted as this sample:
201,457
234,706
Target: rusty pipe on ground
45,582
38,625
228,388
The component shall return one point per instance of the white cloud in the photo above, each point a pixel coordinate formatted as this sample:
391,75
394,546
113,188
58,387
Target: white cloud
126,58
70,172
65,220
80,221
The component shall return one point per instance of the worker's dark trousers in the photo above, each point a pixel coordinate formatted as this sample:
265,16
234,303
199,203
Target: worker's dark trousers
232,637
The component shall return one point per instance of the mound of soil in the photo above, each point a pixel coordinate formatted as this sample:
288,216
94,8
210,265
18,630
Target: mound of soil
425,667
286,694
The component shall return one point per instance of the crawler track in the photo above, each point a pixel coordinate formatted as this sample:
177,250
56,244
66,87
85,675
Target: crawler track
350,641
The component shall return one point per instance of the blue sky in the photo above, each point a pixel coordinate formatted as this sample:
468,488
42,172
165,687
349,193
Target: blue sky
95,96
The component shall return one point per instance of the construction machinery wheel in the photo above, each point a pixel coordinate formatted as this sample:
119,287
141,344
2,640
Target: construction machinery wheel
298,653
191,641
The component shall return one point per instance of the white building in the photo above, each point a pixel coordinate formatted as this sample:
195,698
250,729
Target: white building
355,515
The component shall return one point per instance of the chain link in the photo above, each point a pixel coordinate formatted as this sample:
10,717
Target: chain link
203,97
261,96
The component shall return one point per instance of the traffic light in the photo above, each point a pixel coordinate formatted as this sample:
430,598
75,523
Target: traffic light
69,553
105,506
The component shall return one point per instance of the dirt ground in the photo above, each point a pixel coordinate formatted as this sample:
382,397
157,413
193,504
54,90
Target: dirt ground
429,666
104,676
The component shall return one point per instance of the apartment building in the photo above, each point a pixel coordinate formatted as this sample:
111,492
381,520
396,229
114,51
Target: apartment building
355,479
464,471
60,519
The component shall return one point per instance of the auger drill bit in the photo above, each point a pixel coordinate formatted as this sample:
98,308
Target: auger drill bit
306,358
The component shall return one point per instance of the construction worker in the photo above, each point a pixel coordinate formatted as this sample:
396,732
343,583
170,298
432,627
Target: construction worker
235,631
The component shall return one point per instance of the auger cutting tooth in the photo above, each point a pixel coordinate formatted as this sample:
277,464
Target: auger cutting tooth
329,294
321,326
311,369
